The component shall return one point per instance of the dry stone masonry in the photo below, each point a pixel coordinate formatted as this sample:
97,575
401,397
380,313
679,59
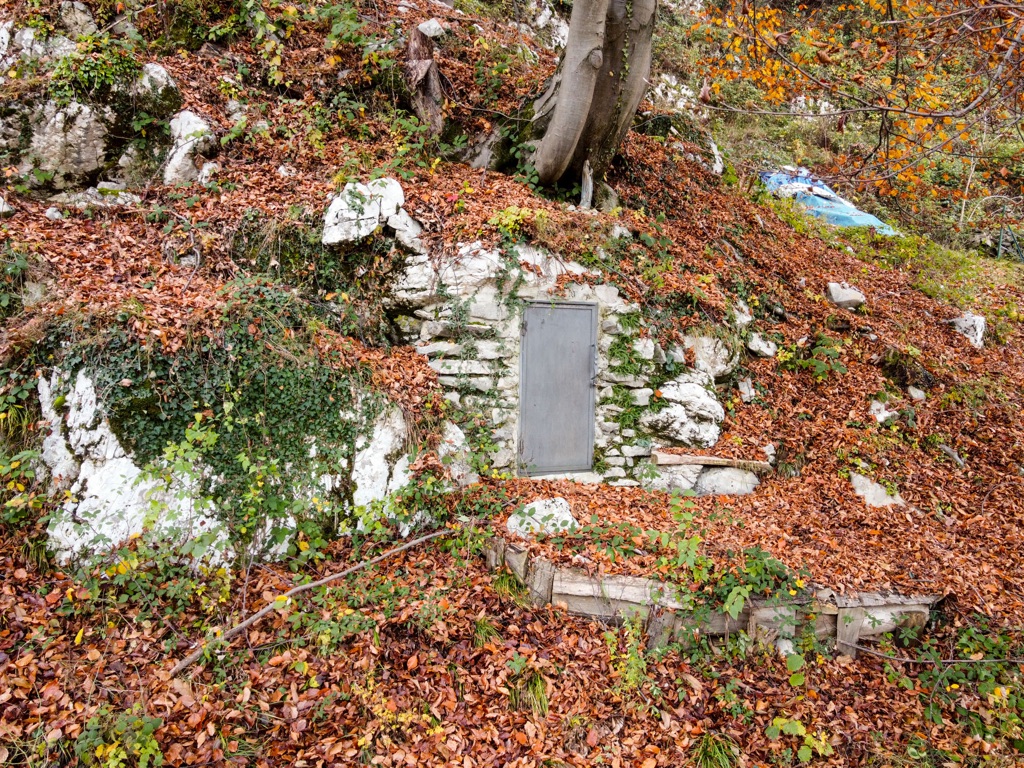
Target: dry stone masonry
463,309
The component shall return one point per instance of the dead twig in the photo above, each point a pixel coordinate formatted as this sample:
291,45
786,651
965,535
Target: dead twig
236,630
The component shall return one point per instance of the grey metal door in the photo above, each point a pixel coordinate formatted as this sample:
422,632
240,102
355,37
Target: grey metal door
556,407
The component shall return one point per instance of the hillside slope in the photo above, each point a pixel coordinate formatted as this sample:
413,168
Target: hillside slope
213,318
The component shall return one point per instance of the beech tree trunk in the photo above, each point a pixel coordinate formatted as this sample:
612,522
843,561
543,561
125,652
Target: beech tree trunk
589,104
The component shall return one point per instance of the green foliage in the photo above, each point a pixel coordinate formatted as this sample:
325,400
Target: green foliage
626,653
794,663
94,70
120,740
151,578
484,632
820,357
527,689
335,614
808,745
507,587
20,499
18,495
274,413
290,250
13,269
980,687
714,750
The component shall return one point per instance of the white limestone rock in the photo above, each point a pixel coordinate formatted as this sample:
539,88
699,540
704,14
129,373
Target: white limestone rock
69,142
106,194
845,296
545,516
672,478
432,28
407,232
746,388
760,346
917,395
713,355
6,30
454,453
880,413
554,27
77,19
6,209
208,173
33,46
874,494
376,470
972,327
190,136
359,209
693,416
111,497
726,481
741,315
155,91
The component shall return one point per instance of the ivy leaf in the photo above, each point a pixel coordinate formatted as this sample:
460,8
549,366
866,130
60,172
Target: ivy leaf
794,728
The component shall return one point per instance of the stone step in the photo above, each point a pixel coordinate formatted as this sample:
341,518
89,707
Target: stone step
664,459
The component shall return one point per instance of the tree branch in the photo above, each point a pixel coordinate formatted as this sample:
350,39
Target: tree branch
236,630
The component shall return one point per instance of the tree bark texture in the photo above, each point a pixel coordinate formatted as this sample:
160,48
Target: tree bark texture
590,103
424,82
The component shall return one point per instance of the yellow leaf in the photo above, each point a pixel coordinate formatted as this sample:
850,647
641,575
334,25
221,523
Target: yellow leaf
78,637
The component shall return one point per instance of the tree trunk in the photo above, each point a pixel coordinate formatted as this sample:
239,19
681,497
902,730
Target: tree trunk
590,103
424,82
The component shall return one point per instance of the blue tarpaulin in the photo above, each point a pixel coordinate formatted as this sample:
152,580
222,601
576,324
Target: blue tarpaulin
820,201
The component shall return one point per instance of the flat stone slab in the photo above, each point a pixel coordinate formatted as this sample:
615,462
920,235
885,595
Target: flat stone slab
664,459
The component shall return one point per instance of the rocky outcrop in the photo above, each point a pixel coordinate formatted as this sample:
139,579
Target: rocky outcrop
972,327
693,415
191,137
845,296
155,91
759,346
716,356
874,494
106,194
111,498
77,19
544,516
725,481
69,142
357,211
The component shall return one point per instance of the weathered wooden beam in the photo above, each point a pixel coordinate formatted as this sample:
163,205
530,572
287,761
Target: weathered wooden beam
661,458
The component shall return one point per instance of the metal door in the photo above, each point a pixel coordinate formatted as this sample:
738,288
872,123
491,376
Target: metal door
558,359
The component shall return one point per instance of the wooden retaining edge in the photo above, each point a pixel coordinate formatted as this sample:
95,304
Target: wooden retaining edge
663,459
846,618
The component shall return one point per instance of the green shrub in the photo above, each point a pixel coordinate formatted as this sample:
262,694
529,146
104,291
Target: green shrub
94,71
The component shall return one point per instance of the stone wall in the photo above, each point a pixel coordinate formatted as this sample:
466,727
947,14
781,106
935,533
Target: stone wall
464,312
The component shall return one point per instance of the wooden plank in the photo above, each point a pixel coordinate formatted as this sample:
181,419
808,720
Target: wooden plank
848,626
663,459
